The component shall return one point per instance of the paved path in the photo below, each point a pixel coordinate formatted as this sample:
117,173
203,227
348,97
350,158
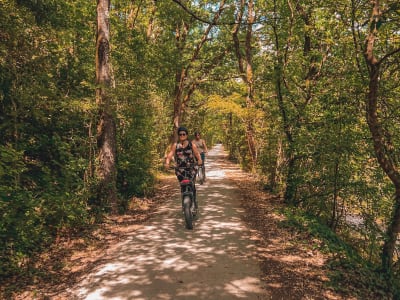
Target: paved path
163,260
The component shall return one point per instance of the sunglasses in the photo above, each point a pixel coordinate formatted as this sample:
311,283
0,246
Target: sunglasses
182,134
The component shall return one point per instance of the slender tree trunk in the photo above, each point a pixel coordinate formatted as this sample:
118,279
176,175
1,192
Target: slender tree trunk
392,233
132,16
245,66
150,26
337,211
382,144
291,185
335,203
293,120
287,127
274,171
106,129
385,161
181,33
250,84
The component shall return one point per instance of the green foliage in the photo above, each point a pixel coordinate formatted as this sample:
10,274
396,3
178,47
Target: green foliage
313,226
228,114
30,220
365,281
345,265
319,147
136,149
21,229
44,148
137,105
310,130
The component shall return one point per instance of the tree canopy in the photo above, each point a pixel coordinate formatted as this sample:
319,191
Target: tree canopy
305,94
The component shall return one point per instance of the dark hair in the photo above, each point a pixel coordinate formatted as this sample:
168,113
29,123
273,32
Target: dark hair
181,128
197,133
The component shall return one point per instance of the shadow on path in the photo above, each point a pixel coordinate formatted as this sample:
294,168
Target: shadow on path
163,260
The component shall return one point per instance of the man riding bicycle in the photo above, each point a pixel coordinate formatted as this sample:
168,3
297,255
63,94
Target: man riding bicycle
201,146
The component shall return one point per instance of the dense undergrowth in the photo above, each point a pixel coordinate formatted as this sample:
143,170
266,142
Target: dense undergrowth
349,272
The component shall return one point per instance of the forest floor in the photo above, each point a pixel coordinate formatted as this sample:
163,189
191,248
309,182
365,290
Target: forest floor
237,250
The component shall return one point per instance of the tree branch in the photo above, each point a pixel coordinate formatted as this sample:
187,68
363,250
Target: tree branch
213,22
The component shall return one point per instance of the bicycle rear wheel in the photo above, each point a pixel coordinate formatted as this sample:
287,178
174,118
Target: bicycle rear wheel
187,203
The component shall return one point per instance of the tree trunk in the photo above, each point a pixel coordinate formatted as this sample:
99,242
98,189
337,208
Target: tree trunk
381,142
247,73
250,84
385,161
291,184
287,127
106,129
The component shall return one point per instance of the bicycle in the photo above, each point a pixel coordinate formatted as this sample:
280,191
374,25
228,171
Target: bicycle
189,202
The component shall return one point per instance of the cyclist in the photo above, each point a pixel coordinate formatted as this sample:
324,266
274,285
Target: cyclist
201,146
184,153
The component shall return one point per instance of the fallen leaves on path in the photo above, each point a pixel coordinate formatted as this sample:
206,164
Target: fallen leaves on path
291,270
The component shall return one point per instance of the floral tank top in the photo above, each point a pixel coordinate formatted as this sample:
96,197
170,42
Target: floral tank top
185,161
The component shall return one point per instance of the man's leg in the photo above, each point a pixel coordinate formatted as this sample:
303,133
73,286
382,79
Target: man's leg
203,158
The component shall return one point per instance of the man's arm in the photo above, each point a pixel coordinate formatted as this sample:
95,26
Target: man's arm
205,146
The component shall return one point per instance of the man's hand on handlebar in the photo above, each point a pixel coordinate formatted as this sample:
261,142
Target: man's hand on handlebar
166,165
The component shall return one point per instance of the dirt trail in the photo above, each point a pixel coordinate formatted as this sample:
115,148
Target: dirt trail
163,260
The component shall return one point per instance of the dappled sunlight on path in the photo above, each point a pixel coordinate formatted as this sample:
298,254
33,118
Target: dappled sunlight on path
163,260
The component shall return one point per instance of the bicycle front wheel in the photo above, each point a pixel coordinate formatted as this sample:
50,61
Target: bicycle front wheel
187,203
200,175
